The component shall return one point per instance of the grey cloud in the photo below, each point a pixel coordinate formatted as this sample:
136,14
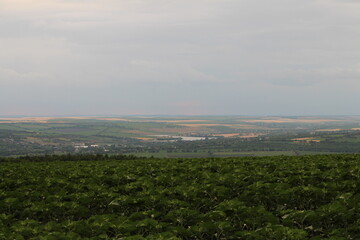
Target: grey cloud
161,56
10,77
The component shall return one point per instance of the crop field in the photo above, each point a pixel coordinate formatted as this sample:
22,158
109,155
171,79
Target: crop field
227,135
207,154
147,127
250,198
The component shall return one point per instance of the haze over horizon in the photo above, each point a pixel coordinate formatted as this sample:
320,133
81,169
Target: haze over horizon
205,57
178,116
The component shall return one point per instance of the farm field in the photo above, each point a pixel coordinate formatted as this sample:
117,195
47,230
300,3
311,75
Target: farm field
202,136
150,127
250,198
204,154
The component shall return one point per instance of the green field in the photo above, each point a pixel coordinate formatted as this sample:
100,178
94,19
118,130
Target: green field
251,198
177,136
205,154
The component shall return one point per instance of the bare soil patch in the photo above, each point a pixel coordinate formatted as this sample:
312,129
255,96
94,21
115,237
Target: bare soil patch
306,139
227,135
329,130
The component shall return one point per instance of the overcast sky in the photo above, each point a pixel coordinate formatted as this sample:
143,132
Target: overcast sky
247,57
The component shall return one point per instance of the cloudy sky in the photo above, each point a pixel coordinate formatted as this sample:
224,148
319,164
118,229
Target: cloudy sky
243,57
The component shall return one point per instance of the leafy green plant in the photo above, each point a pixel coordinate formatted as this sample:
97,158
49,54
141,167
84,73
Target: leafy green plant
290,198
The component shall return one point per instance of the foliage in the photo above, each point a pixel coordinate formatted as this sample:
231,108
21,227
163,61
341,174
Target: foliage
290,198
